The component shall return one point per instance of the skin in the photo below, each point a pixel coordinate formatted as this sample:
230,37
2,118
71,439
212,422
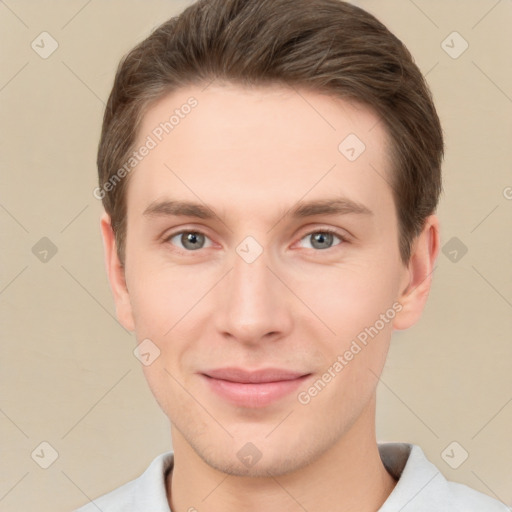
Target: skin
251,155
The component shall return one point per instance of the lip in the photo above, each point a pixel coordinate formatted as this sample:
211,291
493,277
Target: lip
253,388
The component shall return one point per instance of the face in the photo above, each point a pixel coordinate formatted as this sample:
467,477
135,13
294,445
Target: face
262,263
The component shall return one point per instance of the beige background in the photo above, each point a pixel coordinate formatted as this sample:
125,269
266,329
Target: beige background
67,372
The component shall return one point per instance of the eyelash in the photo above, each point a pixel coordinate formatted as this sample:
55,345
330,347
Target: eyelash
332,231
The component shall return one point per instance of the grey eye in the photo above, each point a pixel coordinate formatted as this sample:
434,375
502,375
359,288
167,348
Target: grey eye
321,239
189,240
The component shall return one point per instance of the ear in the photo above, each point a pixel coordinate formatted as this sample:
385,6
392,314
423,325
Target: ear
418,275
116,277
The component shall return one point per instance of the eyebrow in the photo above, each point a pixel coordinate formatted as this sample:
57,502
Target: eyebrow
334,206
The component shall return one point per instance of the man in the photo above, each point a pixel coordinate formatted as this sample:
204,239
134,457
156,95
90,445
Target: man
270,171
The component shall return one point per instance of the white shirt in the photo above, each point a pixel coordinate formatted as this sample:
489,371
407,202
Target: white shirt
420,487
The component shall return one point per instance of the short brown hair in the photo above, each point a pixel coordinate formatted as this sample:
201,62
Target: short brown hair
328,46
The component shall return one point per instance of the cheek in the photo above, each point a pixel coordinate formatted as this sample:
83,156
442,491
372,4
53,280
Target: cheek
348,298
357,303
161,297
349,376
162,312
168,308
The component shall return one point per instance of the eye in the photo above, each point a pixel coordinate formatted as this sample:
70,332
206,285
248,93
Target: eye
322,239
189,240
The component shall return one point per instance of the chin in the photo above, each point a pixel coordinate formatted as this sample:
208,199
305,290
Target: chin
252,453
270,464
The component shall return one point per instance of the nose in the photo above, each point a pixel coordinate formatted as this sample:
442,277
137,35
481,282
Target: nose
253,303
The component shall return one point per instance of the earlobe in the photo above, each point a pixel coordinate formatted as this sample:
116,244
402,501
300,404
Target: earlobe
413,296
116,275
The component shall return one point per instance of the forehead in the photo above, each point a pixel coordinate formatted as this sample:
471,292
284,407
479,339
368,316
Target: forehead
259,146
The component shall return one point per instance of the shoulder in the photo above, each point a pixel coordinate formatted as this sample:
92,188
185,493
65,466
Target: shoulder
467,499
147,492
421,486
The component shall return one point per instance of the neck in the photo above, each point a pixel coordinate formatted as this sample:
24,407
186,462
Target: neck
348,477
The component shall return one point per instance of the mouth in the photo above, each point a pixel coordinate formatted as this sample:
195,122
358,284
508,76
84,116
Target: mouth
253,389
